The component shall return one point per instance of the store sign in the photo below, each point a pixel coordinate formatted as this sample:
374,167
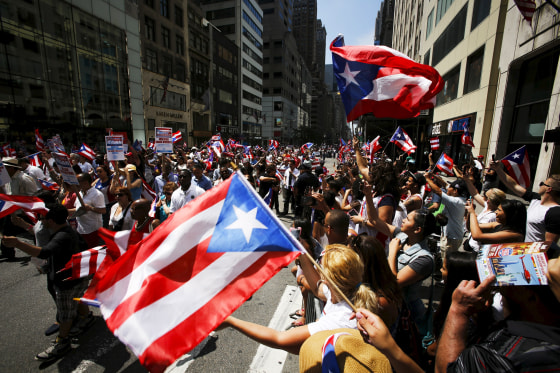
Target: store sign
436,129
169,114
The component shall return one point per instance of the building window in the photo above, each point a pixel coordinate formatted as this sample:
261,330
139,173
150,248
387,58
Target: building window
166,66
150,26
451,36
164,8
442,6
481,9
474,71
151,60
165,37
178,16
536,78
430,23
225,97
427,57
451,86
179,45
180,71
167,99
278,105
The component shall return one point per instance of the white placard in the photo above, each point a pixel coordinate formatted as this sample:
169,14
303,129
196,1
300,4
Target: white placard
115,148
164,140
65,168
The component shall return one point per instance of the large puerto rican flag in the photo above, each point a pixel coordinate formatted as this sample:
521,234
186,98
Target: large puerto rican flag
382,81
167,293
517,166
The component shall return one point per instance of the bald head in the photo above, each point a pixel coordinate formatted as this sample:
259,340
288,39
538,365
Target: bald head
139,209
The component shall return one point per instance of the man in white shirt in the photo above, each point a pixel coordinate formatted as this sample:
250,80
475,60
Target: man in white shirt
186,193
290,176
540,203
90,216
35,172
454,202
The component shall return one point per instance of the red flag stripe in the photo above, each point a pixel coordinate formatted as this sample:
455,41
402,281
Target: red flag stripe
192,230
205,317
155,239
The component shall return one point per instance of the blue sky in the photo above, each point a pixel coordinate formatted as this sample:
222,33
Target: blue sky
355,19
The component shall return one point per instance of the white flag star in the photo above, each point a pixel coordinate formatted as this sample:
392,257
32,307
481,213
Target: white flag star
246,221
349,76
516,155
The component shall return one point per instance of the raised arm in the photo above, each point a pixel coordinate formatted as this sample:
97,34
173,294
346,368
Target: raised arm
507,180
360,160
374,220
470,186
467,299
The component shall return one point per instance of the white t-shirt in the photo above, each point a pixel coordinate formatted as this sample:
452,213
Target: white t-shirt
179,198
90,221
335,315
535,221
455,211
486,216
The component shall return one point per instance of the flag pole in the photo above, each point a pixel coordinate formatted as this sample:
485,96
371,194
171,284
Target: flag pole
332,285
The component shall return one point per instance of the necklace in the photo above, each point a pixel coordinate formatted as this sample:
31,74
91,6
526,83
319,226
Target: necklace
141,225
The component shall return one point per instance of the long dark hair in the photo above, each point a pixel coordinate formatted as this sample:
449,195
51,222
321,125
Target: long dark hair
516,215
376,268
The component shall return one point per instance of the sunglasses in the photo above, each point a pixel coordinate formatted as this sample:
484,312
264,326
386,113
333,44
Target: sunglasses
543,183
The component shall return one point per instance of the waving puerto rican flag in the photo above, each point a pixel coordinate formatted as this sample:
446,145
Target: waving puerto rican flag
164,295
382,81
517,166
445,163
177,136
86,151
35,160
403,141
305,146
374,147
39,142
273,144
10,204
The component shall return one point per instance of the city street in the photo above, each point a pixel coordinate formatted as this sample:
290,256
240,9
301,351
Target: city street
28,310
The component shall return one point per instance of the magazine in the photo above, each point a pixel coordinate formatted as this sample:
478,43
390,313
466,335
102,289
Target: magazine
522,263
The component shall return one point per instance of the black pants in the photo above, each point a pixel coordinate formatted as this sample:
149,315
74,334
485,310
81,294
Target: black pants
288,195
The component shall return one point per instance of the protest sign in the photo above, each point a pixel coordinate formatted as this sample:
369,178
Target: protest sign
125,139
65,168
164,140
115,148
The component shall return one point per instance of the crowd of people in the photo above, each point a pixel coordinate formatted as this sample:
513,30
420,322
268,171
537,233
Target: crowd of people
377,227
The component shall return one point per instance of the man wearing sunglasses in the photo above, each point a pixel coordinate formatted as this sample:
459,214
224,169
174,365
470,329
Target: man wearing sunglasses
543,211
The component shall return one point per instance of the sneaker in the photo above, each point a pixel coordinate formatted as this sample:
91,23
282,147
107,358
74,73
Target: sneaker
81,324
60,347
52,329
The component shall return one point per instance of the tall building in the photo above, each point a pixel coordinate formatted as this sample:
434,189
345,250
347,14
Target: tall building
282,74
213,109
70,69
241,22
462,41
408,35
163,27
528,90
384,23
305,28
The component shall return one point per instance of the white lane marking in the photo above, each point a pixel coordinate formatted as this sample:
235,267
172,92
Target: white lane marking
270,360
105,346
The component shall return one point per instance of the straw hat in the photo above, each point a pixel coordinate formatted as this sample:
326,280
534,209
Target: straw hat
352,353
11,162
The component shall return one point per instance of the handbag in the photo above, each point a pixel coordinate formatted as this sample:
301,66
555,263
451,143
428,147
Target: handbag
118,227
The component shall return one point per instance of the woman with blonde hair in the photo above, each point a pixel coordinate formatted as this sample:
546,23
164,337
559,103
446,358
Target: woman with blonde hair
343,268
